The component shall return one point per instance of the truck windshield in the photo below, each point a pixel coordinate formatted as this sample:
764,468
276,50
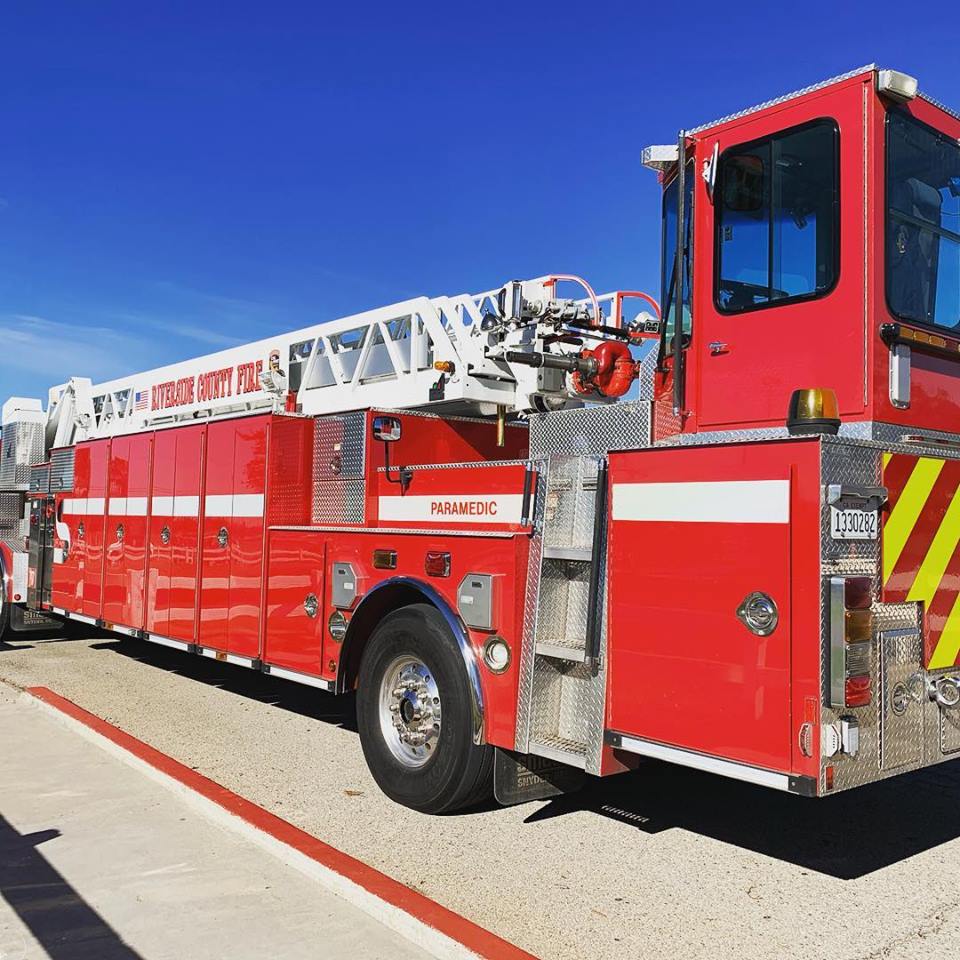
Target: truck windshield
923,223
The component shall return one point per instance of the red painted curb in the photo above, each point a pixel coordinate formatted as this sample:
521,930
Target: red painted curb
428,911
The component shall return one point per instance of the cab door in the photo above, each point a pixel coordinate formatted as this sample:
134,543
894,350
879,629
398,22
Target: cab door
780,260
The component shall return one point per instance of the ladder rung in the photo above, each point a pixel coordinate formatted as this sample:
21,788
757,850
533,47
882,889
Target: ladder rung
560,651
580,554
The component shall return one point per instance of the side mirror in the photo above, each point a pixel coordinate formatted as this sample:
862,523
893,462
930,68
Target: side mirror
386,429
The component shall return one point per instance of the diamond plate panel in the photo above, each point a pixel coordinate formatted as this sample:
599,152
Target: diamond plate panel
339,501
564,596
525,705
900,711
340,447
20,448
40,478
591,430
949,730
571,502
890,743
61,469
11,511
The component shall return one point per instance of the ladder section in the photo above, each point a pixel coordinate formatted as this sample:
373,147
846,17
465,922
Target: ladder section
567,679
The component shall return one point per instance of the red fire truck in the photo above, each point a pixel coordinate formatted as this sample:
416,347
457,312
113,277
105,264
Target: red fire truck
541,535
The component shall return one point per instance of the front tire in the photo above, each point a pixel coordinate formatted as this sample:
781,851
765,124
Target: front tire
414,715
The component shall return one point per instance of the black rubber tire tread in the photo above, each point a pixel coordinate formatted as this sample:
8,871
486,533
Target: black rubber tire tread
460,773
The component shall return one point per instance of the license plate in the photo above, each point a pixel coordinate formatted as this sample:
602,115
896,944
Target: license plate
853,524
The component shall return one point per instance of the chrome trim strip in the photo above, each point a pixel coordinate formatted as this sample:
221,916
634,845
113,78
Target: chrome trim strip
701,761
81,617
233,658
305,678
168,642
420,531
459,465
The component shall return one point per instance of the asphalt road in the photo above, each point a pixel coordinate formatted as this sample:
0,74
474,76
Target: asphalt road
659,863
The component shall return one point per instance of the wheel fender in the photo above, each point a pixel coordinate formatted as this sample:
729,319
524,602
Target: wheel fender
391,595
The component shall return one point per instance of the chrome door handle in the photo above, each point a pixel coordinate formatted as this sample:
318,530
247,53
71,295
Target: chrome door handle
717,347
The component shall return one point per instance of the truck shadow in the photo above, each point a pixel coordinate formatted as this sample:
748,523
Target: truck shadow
64,925
285,694
845,836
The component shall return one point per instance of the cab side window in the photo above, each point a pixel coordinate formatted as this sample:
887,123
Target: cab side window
778,219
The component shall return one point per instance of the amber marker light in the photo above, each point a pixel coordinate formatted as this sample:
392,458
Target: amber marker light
813,410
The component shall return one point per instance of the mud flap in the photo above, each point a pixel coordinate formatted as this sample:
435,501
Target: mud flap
521,777
23,620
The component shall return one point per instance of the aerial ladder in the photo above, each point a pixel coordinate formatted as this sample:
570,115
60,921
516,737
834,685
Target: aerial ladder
503,353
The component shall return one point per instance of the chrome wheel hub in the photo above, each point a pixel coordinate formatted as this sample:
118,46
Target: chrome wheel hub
410,711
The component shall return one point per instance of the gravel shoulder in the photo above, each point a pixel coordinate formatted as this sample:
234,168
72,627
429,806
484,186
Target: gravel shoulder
660,863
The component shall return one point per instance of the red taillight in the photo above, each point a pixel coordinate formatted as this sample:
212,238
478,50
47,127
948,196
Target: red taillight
857,692
851,641
437,563
858,593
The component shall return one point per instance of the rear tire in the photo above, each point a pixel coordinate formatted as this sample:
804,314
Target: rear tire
414,715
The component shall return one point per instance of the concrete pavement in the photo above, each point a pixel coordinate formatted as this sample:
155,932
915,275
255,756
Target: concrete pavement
659,864
97,862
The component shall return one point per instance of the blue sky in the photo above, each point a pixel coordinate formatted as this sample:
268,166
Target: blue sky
185,176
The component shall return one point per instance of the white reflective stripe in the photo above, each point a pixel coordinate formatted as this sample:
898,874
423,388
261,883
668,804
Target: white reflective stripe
218,505
117,506
85,505
162,507
136,506
186,506
248,505
471,508
725,501
233,505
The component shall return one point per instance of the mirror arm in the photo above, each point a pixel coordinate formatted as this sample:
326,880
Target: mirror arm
677,350
404,474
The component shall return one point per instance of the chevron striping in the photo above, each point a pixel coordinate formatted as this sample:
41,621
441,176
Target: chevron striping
903,518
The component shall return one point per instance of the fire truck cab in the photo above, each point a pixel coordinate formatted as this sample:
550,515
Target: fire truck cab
544,536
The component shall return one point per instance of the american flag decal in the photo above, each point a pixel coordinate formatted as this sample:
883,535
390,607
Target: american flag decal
141,400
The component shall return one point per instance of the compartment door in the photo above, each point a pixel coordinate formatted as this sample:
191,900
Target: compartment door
185,532
246,537
233,521
93,529
691,538
296,564
157,600
126,530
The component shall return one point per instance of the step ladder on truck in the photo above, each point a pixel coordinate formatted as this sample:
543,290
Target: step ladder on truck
543,534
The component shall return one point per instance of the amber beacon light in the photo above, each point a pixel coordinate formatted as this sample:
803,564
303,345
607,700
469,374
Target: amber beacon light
813,411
